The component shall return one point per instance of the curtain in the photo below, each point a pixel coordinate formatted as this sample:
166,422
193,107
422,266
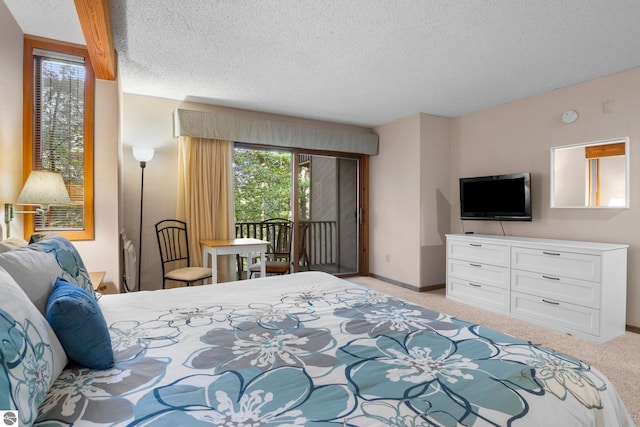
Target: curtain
275,133
205,195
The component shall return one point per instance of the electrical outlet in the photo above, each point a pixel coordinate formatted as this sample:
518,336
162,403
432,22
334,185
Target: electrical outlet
388,258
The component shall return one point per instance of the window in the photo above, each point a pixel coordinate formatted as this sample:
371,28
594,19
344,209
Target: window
58,131
261,184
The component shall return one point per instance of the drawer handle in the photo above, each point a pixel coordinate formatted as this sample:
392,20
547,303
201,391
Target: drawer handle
475,285
551,277
477,245
551,302
551,253
475,265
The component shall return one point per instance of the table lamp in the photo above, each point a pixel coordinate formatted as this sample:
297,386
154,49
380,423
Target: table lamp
42,189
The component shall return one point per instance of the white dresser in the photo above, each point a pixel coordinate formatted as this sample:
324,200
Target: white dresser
576,287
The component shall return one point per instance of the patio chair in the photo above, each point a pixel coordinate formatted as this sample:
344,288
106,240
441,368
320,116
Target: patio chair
173,243
278,257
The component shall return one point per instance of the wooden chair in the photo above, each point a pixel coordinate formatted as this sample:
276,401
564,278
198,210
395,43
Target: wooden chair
278,257
173,242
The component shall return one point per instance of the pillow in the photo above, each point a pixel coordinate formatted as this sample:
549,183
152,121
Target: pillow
68,260
79,324
12,243
36,266
31,357
34,271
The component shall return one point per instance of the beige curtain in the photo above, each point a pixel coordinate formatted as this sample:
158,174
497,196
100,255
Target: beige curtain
205,195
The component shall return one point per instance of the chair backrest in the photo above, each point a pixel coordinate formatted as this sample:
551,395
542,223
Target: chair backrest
278,232
173,242
249,229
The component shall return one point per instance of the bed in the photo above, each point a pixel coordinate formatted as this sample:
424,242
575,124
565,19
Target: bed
305,349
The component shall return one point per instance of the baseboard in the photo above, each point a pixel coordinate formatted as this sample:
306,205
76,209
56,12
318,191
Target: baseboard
635,329
406,285
432,287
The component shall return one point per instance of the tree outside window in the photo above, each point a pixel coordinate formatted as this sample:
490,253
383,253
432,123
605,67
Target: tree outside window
262,184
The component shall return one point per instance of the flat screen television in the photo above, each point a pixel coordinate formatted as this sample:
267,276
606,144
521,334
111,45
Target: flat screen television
496,197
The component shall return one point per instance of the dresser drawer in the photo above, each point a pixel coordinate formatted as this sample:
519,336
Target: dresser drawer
479,273
483,296
555,314
484,253
574,291
565,264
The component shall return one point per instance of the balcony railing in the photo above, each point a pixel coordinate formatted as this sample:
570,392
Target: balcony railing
316,242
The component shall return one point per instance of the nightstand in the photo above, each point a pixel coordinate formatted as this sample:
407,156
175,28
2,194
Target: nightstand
96,280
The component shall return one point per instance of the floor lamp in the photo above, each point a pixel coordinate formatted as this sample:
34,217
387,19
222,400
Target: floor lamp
143,155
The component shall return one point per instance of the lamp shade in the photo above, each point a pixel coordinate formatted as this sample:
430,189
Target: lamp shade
143,154
44,188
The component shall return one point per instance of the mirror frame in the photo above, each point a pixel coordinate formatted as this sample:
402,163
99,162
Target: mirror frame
627,145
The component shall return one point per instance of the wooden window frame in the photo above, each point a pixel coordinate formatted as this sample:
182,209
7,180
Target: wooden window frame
31,43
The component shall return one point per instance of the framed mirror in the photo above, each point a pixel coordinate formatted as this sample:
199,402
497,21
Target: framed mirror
591,175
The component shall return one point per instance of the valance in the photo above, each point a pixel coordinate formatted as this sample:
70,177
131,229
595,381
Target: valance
238,128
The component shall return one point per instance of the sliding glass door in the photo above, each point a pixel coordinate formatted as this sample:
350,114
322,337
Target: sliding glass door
328,220
320,193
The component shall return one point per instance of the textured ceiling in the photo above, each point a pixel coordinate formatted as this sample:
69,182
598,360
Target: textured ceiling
363,62
55,19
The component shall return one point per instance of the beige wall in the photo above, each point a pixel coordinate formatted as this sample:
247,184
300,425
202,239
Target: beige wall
422,157
517,137
147,121
102,253
10,115
394,202
434,190
409,190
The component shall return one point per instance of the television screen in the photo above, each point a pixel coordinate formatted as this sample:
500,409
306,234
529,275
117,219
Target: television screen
496,197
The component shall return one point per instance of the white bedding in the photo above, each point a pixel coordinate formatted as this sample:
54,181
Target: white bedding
311,349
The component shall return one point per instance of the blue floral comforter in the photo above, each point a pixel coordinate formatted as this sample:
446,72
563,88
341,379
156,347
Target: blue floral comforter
309,349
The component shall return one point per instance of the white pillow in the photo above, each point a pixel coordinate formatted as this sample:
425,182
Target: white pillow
12,243
34,271
31,357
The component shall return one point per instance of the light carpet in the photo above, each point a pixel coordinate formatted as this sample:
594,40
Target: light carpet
618,359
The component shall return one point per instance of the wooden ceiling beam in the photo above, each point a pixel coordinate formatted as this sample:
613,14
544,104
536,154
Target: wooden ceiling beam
95,20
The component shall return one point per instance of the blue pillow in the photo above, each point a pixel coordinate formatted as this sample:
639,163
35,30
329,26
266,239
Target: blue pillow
77,320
